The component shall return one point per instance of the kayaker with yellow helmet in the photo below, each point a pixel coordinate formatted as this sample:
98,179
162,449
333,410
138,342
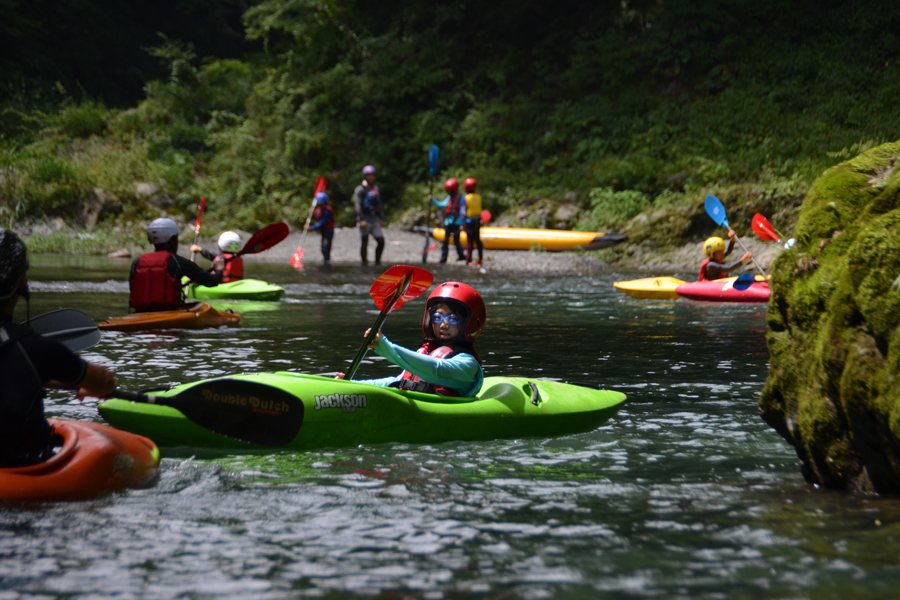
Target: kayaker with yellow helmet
714,266
229,244
446,363
155,280
454,206
28,363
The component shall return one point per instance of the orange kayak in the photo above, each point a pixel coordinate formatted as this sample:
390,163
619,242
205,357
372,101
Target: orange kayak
93,459
198,316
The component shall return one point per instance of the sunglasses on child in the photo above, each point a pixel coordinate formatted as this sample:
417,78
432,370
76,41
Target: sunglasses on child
452,319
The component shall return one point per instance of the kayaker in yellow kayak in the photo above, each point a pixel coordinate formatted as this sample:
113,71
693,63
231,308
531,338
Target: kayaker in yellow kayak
714,266
473,221
28,363
155,280
229,244
447,363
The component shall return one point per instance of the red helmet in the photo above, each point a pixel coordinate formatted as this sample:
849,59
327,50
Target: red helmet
470,185
458,295
451,185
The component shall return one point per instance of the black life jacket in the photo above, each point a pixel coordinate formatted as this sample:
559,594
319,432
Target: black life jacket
24,432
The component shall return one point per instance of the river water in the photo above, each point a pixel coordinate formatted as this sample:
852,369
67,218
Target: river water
686,493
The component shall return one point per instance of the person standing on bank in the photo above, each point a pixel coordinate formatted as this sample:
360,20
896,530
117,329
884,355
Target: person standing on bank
323,215
454,206
28,363
155,279
473,221
369,215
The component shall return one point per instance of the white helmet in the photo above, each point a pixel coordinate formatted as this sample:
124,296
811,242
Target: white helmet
161,231
229,242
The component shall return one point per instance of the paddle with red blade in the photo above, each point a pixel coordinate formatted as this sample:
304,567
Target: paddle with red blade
200,209
396,286
264,239
297,259
764,229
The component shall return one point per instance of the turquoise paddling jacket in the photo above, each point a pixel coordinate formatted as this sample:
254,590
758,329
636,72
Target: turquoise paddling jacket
461,372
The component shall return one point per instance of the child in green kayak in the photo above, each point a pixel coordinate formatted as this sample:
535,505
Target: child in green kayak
447,363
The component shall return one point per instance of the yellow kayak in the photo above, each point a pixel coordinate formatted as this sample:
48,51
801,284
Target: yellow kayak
553,240
651,288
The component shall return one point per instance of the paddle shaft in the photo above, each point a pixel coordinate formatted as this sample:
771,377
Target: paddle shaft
426,249
361,353
200,208
755,264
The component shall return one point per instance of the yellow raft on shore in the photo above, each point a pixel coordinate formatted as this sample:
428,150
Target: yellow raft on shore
552,240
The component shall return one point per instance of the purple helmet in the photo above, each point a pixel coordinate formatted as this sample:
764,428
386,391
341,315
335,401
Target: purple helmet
368,169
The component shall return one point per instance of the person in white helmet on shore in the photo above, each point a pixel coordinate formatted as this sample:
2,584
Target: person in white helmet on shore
155,280
229,244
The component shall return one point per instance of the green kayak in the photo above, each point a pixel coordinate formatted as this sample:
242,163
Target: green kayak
304,412
243,289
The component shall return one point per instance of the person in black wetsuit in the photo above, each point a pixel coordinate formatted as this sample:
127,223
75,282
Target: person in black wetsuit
28,364
155,279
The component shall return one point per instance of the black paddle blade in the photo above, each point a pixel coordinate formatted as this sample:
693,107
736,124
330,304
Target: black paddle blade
244,410
73,328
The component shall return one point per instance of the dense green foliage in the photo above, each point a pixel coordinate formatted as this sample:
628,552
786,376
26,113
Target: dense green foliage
658,100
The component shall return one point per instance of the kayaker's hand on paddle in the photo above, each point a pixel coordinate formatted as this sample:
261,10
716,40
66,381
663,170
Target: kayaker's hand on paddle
219,264
747,256
196,248
731,234
375,340
339,375
99,382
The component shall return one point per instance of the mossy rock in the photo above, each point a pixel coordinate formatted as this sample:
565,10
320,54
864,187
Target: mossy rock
832,388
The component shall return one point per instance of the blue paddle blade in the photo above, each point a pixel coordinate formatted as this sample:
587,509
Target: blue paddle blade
716,211
433,159
744,281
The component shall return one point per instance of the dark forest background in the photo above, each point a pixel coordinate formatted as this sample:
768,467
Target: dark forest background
628,111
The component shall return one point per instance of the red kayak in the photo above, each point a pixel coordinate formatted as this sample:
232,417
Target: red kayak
723,290
93,459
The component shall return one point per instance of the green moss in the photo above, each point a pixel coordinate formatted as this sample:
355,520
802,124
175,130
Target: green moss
834,316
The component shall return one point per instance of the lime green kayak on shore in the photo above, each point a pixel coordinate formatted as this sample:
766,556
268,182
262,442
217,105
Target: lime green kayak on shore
309,412
243,289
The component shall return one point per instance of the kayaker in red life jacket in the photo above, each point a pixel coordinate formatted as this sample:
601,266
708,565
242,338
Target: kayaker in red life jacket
454,206
28,363
447,363
155,279
714,266
323,215
229,244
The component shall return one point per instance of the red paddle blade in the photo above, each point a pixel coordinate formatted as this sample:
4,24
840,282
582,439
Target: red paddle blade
201,208
321,184
485,216
265,238
764,229
399,284
297,259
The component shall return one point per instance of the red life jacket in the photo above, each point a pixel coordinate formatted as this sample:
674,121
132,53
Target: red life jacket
152,288
414,383
703,277
317,215
453,205
234,268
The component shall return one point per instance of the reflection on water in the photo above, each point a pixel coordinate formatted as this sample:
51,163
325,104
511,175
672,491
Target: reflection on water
685,494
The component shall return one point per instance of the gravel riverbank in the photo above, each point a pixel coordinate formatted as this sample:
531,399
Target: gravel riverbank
406,247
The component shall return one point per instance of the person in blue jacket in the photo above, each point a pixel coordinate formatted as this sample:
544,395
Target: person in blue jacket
447,363
323,215
454,206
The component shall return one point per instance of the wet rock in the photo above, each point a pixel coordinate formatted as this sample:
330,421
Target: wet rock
835,354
